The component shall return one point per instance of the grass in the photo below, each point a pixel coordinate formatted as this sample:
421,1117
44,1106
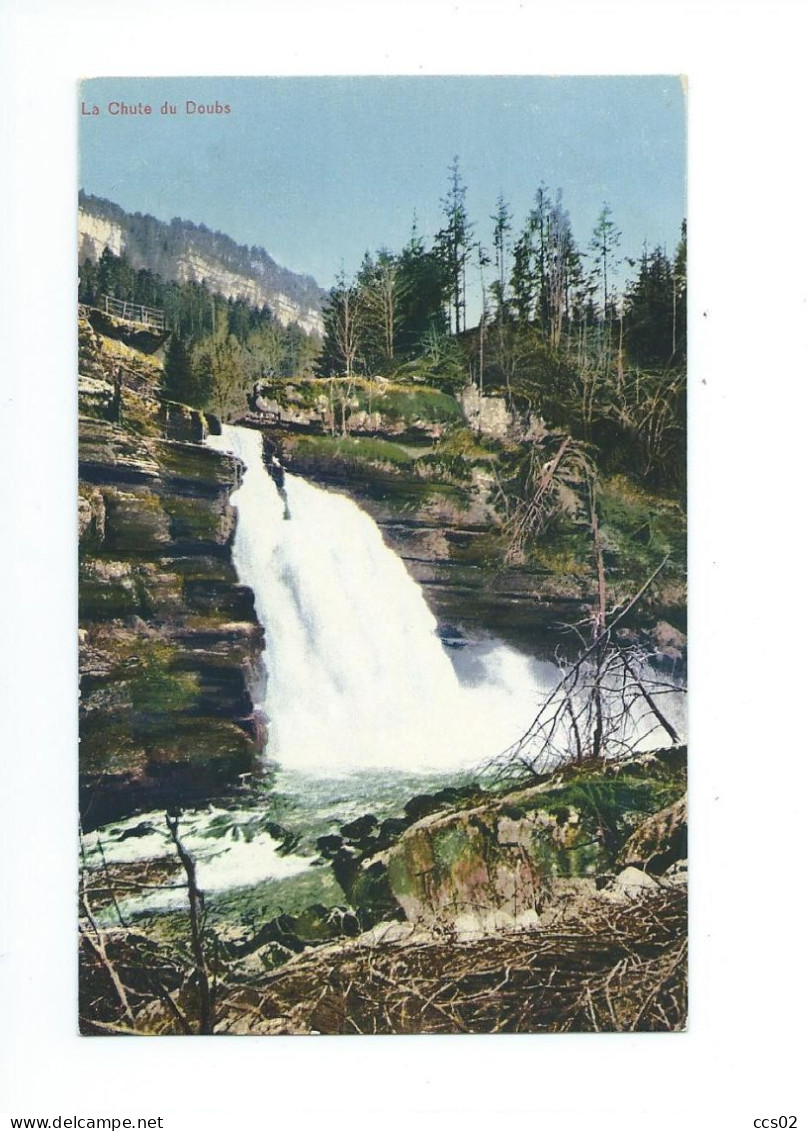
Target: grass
358,449
641,524
408,403
400,402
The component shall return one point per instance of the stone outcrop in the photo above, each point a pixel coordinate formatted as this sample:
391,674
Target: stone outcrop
169,643
144,339
113,351
491,867
97,233
659,842
491,416
367,407
443,534
473,863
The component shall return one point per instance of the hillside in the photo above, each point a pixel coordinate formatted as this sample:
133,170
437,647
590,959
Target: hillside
182,251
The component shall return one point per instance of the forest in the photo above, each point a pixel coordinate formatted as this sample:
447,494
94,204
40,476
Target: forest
161,245
218,348
547,545
592,339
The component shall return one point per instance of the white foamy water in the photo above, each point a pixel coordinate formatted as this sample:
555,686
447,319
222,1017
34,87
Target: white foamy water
228,850
357,681
357,676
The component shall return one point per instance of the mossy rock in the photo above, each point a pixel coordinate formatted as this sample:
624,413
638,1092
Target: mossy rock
494,864
208,470
371,895
194,520
217,745
103,600
107,746
136,522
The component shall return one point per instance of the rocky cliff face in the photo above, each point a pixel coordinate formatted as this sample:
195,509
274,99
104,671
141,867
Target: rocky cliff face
169,642
97,233
197,268
183,252
444,535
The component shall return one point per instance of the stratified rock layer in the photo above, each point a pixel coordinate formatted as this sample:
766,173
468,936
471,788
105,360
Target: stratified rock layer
444,535
169,642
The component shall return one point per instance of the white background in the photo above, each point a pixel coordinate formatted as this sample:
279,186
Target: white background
746,1051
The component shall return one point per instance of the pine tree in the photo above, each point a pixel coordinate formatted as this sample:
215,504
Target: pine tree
424,287
181,381
679,333
604,246
523,282
559,253
341,318
649,311
455,244
380,315
502,229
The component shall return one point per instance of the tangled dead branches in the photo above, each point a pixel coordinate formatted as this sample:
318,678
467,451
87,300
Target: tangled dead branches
544,483
622,972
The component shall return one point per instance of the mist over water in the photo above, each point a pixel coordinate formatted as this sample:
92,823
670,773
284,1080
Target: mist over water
357,676
365,704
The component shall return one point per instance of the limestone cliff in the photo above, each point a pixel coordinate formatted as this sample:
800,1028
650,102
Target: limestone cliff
183,251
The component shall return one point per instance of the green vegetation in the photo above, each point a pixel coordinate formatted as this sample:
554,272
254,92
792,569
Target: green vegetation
611,806
156,687
401,403
218,347
560,333
355,449
640,528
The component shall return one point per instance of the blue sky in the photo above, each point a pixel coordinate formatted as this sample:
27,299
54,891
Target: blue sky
317,170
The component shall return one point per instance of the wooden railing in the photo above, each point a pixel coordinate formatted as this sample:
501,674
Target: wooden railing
134,312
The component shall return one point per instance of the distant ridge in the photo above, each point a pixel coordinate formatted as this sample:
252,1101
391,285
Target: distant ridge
183,251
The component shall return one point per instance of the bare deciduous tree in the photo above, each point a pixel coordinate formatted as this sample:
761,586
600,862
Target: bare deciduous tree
605,705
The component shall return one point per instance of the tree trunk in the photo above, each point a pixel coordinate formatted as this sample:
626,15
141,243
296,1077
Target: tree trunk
195,902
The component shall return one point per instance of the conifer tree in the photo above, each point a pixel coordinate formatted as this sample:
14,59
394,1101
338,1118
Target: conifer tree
455,243
181,381
604,246
502,229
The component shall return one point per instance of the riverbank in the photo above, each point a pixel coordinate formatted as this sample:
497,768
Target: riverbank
468,910
287,755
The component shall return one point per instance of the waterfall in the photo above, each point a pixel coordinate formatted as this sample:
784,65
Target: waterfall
358,681
357,677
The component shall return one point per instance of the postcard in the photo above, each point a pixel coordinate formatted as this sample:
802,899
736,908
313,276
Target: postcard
382,555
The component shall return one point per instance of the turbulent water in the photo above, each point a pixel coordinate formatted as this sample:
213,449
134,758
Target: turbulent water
366,706
357,676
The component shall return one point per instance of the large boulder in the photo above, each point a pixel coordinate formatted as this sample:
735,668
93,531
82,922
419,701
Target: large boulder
489,868
491,416
659,841
472,862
